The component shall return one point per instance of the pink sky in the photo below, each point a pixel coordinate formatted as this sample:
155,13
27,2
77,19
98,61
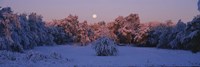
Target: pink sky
107,10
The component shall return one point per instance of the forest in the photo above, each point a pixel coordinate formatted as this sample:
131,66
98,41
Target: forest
19,32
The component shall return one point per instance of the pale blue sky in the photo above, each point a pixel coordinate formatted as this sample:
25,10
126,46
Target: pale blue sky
107,10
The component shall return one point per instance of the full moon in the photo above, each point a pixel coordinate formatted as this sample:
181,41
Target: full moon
94,16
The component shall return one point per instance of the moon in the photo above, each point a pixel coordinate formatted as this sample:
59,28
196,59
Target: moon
94,16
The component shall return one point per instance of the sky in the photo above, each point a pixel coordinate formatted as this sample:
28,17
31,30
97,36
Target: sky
107,10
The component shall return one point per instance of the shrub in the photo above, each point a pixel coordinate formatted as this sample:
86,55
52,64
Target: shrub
8,55
105,47
35,56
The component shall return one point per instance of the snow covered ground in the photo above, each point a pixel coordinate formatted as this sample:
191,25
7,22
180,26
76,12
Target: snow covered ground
66,55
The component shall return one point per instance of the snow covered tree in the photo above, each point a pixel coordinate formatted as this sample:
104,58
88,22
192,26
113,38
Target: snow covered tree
159,34
153,34
176,35
192,33
59,35
39,31
9,29
180,36
101,29
141,34
125,27
70,30
82,33
19,32
57,29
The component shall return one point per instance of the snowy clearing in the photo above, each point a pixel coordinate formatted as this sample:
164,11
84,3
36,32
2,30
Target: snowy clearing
85,56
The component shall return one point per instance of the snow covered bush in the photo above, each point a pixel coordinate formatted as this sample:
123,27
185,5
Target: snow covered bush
7,55
35,56
104,46
31,56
